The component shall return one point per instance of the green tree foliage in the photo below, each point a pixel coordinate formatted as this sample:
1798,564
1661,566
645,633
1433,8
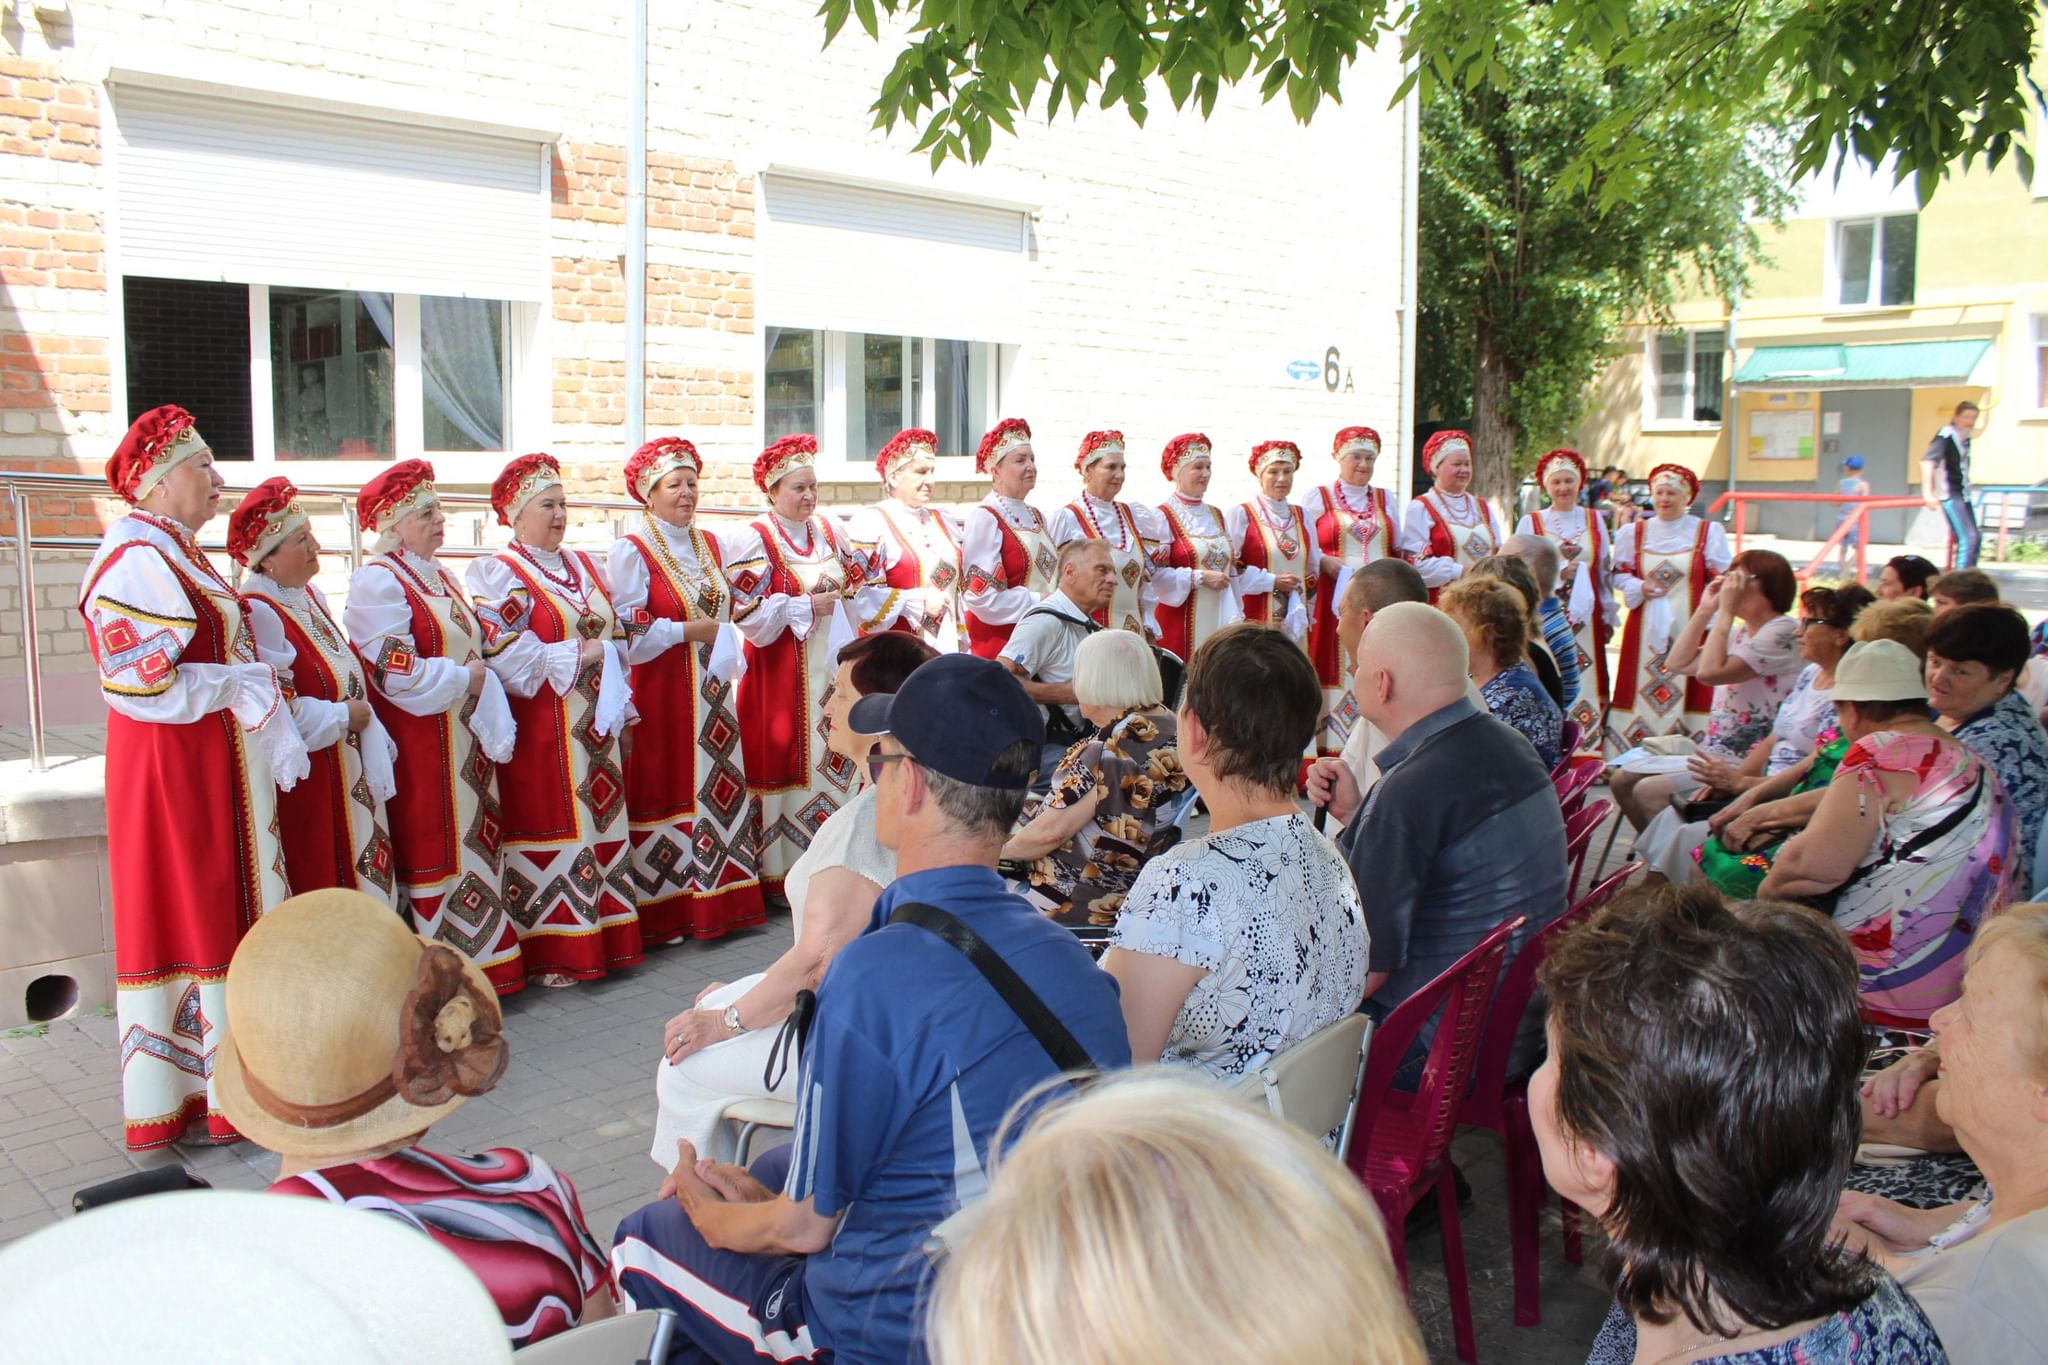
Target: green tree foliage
1522,283
1935,81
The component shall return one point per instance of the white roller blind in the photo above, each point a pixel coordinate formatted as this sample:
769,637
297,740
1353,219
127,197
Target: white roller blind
852,259
222,189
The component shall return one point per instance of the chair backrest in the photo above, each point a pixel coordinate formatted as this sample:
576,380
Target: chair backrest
1579,828
1314,1084
1578,774
1568,743
1482,1107
628,1339
1463,990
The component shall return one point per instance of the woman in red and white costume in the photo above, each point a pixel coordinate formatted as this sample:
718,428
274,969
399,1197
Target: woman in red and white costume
1449,528
553,641
195,716
1196,585
1136,534
912,546
417,631
1276,553
800,592
336,832
1354,523
695,833
1007,551
1586,582
1669,557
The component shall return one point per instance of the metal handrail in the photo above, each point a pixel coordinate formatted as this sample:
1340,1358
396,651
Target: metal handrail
18,487
1859,523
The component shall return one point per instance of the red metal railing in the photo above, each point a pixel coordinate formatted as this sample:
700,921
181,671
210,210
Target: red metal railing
1859,524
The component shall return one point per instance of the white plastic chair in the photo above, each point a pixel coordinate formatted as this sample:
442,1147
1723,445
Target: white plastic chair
752,1115
1314,1084
629,1339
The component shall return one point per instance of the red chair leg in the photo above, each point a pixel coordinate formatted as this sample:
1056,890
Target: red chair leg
1454,1267
1573,1251
1395,1219
1527,1194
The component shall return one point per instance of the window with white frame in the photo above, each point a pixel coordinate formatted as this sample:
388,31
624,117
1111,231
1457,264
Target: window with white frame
855,390
1874,260
2041,361
1684,376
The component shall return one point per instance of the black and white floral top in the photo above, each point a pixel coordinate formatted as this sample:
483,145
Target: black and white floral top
1269,909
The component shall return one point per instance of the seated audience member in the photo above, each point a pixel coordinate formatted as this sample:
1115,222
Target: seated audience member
1715,1181
911,1062
1040,651
1514,571
1962,588
352,1037
1906,576
1745,835
1911,848
1463,830
1371,588
1109,792
1541,555
1975,656
1490,613
1741,640
1976,1268
1669,842
716,1053
1235,946
1150,1215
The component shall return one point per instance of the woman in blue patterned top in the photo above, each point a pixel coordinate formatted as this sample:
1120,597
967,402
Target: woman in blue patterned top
1974,658
1496,625
1716,1181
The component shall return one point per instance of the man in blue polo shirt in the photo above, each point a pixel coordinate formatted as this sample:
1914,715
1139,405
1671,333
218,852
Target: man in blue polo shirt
910,1065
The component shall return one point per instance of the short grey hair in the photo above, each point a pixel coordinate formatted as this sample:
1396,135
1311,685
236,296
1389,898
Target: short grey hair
988,812
1117,668
1540,553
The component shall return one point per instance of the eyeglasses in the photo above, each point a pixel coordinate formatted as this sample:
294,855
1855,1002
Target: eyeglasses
877,760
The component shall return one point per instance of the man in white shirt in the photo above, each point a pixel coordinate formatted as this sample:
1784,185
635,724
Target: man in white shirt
1040,651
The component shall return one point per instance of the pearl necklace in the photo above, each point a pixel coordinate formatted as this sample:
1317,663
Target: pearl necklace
706,584
1467,511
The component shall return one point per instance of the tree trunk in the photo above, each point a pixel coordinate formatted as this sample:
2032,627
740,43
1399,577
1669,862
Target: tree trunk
1494,434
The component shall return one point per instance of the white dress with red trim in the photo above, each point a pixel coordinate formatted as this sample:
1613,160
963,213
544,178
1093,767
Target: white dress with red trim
1679,556
1584,542
199,736
1270,539
798,780
1197,542
1010,563
696,833
1353,525
1448,535
915,551
416,630
567,880
1137,538
336,832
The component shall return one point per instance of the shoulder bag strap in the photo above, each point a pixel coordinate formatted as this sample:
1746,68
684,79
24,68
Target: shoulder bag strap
1066,1052
1088,626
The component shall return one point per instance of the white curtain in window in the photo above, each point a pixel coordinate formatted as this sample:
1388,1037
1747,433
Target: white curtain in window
460,363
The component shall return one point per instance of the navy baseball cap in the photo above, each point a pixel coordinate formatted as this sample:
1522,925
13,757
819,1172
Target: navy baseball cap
954,715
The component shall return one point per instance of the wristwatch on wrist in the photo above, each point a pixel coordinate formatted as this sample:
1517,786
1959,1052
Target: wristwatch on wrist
732,1019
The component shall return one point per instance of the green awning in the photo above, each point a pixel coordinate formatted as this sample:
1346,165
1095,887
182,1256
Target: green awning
1890,363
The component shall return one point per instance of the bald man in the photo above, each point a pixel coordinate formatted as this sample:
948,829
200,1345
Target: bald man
1462,830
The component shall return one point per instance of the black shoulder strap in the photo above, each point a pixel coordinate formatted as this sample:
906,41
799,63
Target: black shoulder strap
1066,1052
1083,623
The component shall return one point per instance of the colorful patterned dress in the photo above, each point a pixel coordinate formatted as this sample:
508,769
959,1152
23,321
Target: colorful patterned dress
1680,555
1449,535
1010,562
415,628
335,830
694,828
193,715
916,552
1352,525
1198,541
1137,537
1269,539
1134,763
1583,539
567,879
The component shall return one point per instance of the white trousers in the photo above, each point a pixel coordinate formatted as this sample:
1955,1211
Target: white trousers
692,1098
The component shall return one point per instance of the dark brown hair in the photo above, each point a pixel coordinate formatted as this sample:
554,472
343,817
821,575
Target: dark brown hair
1914,572
1773,575
1837,607
1714,1056
883,660
1256,694
1964,586
1987,633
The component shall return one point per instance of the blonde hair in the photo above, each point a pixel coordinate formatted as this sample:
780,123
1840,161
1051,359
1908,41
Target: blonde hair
2024,929
1156,1217
1903,619
1116,668
1493,614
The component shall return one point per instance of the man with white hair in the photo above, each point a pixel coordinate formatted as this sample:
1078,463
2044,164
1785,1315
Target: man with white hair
1540,553
1463,830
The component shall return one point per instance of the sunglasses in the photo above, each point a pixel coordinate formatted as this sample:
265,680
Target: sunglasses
877,760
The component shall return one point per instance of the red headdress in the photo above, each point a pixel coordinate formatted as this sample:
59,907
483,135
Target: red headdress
523,480
655,461
393,493
1098,445
905,446
1680,473
1557,457
1266,452
791,452
1364,438
1002,438
1443,443
159,441
266,514
1180,448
